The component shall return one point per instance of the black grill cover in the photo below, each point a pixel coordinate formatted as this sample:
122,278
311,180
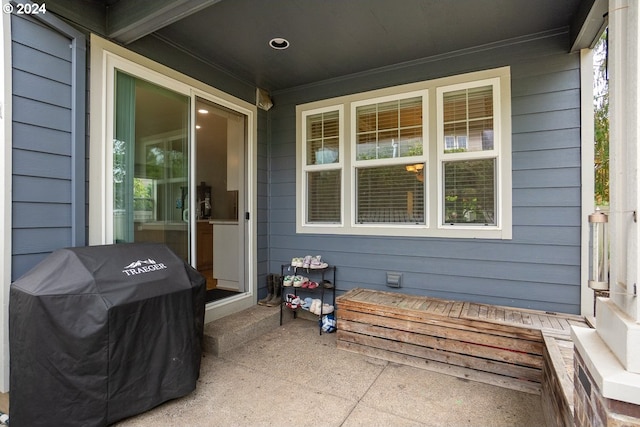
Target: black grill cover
102,333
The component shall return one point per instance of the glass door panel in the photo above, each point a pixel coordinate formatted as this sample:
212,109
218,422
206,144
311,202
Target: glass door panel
220,140
150,164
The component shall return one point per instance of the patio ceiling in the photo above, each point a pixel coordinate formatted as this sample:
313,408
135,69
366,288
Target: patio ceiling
328,38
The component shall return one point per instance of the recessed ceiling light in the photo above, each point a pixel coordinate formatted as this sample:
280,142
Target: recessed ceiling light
279,43
203,111
198,126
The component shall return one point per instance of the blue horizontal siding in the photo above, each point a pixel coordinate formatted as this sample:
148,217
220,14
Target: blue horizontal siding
36,35
44,165
26,136
545,140
41,190
41,89
25,58
42,146
37,240
41,215
37,113
539,267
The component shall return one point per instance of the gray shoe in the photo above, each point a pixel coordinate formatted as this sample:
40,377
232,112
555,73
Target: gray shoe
276,299
270,291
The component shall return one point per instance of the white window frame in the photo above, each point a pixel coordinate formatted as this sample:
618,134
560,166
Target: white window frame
494,153
433,156
339,165
356,164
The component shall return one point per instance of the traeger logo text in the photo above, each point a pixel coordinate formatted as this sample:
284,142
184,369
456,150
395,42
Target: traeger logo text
145,266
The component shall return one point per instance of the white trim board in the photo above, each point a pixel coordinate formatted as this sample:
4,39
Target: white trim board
5,200
587,136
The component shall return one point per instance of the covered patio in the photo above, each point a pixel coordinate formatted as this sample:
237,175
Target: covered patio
286,69
292,376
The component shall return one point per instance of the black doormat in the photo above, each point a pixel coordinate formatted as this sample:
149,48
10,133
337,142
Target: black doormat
216,294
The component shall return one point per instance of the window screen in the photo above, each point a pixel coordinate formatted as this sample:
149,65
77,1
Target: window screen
390,194
469,192
323,196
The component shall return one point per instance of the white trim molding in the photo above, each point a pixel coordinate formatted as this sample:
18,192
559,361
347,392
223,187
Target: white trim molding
587,151
5,200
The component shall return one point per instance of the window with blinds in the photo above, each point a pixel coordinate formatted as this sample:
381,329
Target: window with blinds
382,163
389,159
323,166
324,196
468,154
390,194
469,192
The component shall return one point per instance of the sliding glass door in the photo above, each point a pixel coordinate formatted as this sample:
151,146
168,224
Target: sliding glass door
150,164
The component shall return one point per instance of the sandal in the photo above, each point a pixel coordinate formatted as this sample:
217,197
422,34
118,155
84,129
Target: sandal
311,285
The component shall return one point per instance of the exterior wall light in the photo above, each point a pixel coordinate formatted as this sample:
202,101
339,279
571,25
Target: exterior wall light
598,251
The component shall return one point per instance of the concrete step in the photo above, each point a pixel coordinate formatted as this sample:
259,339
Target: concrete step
236,329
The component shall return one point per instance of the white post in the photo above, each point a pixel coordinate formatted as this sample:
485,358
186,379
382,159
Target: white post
617,317
611,353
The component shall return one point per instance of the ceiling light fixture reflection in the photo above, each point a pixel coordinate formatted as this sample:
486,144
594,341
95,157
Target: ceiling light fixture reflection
198,126
417,169
203,111
279,43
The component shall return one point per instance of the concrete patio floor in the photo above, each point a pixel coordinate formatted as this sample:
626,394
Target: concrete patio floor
292,376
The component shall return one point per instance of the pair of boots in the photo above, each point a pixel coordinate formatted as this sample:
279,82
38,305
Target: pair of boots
273,297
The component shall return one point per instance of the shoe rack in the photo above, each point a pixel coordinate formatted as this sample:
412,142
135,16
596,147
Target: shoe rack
318,275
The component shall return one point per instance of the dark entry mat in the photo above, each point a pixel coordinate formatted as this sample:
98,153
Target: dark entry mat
216,294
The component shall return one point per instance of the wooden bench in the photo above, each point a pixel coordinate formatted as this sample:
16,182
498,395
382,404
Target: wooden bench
503,346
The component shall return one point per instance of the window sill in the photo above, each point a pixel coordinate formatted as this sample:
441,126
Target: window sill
408,230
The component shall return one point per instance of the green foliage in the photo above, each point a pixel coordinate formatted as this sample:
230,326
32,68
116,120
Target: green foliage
469,191
455,150
601,124
601,160
142,195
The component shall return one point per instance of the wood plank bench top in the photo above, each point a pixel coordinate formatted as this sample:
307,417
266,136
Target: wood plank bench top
501,319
